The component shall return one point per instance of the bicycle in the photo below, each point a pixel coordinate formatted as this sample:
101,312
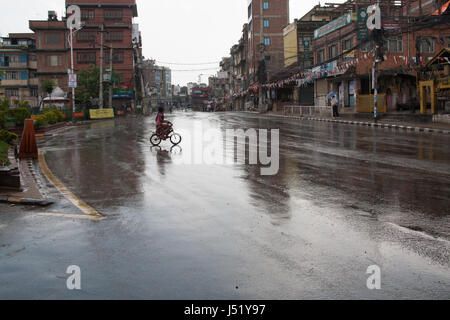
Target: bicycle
158,137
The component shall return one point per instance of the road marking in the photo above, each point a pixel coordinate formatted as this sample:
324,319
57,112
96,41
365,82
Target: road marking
85,208
70,216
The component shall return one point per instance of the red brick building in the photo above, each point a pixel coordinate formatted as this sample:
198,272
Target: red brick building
411,36
52,50
266,20
116,16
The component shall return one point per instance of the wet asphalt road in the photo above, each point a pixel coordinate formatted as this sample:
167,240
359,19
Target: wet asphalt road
345,198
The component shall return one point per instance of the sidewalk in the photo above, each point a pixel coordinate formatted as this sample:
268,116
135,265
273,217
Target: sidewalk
383,123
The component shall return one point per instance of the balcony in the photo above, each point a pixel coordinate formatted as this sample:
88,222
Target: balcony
33,82
32,64
22,65
14,83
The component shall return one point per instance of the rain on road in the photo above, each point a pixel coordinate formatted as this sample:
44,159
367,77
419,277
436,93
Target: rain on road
345,198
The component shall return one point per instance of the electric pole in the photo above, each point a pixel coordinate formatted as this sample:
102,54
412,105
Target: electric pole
111,76
102,27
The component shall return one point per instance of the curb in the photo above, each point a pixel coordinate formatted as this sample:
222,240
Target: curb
26,201
368,124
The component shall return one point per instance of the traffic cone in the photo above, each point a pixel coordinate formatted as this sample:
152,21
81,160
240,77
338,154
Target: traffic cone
28,145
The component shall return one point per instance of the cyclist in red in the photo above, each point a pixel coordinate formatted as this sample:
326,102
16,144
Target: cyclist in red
162,127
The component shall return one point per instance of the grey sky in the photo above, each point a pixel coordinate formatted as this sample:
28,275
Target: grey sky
177,31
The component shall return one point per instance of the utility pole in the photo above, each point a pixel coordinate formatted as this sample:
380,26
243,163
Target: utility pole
111,76
102,27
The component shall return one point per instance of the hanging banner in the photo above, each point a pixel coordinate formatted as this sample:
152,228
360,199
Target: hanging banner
363,31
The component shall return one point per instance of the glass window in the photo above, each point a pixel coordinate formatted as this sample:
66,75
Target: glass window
12,75
54,61
114,36
266,5
113,14
266,23
332,51
87,58
426,45
267,41
394,44
53,38
117,57
321,56
12,92
366,46
87,15
86,36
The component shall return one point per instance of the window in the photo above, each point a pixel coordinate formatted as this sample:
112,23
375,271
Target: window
33,92
394,44
347,44
321,56
267,41
12,75
13,59
117,57
267,58
86,36
54,61
332,51
87,15
249,10
266,23
426,45
114,36
113,14
53,38
266,5
307,40
11,92
87,58
366,46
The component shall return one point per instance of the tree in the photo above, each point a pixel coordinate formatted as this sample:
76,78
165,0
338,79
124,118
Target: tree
48,85
89,86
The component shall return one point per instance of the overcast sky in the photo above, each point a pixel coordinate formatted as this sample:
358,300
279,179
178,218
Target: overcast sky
175,31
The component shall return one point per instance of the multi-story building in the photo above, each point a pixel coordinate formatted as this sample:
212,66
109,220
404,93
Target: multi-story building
298,52
112,21
239,69
18,68
158,83
412,33
52,52
266,20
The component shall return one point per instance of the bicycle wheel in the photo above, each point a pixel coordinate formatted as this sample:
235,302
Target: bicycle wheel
175,139
155,140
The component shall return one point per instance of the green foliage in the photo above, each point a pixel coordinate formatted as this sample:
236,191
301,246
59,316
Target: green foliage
7,136
19,115
4,161
51,115
89,86
40,122
48,85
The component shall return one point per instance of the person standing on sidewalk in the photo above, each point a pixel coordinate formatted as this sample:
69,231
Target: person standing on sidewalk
335,106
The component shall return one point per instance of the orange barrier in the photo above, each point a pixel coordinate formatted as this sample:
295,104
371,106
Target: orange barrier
28,145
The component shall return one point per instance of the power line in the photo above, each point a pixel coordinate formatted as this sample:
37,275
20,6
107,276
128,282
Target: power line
188,64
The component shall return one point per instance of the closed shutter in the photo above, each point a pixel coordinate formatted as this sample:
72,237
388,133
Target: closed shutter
307,95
